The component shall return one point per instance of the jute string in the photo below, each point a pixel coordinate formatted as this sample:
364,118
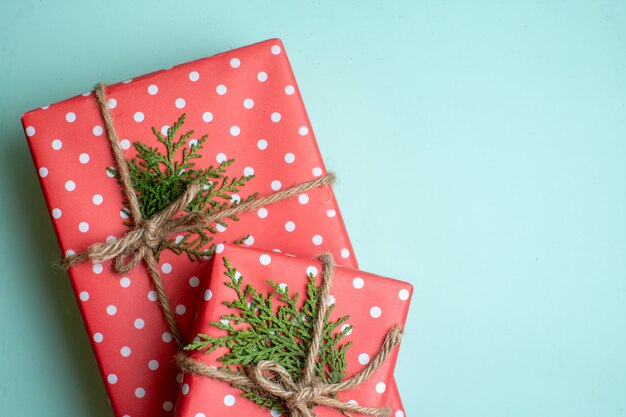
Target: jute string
140,242
308,391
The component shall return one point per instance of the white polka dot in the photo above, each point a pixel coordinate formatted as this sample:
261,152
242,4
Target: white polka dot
317,171
262,76
207,116
345,253
311,270
97,199
235,62
330,300
289,90
208,294
123,214
84,296
166,268
153,365
192,143
153,89
69,252
399,413
265,259
125,144
229,400
70,185
290,226
353,402
261,144
43,172
109,173
125,351
290,158
276,185
139,324
221,89
30,131
220,227
138,116
83,158
219,248
221,157
331,213
128,81
166,337
57,144
194,282
152,295
98,337
262,212
70,117
275,117
140,392
97,130
168,405
181,309
346,326
249,240
97,268
125,282
275,49
381,387
248,171
317,240
303,130
111,310
275,413
180,103
248,103
358,283
185,389
375,312
112,378
364,358
235,130
112,103
57,213
83,227
194,76
403,294
110,239
303,198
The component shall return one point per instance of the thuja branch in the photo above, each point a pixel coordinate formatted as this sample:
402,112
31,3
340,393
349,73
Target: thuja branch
272,327
159,178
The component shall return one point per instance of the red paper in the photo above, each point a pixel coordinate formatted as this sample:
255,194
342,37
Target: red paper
374,304
248,102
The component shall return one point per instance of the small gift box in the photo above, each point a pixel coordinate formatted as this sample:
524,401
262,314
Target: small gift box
234,127
256,325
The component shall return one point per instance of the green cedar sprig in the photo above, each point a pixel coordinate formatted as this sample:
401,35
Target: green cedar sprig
160,178
256,331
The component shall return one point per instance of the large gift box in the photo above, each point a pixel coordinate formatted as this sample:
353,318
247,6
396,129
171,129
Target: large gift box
248,287
249,133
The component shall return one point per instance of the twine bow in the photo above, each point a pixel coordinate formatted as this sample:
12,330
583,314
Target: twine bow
141,242
300,396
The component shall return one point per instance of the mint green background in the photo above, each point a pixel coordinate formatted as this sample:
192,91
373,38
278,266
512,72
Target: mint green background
481,148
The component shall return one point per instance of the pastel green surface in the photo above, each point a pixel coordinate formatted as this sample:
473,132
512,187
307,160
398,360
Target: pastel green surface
481,151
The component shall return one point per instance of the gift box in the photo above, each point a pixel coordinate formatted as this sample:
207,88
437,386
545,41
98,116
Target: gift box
364,309
248,104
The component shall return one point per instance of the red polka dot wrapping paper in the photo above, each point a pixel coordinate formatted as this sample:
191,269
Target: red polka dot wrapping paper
248,103
374,305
